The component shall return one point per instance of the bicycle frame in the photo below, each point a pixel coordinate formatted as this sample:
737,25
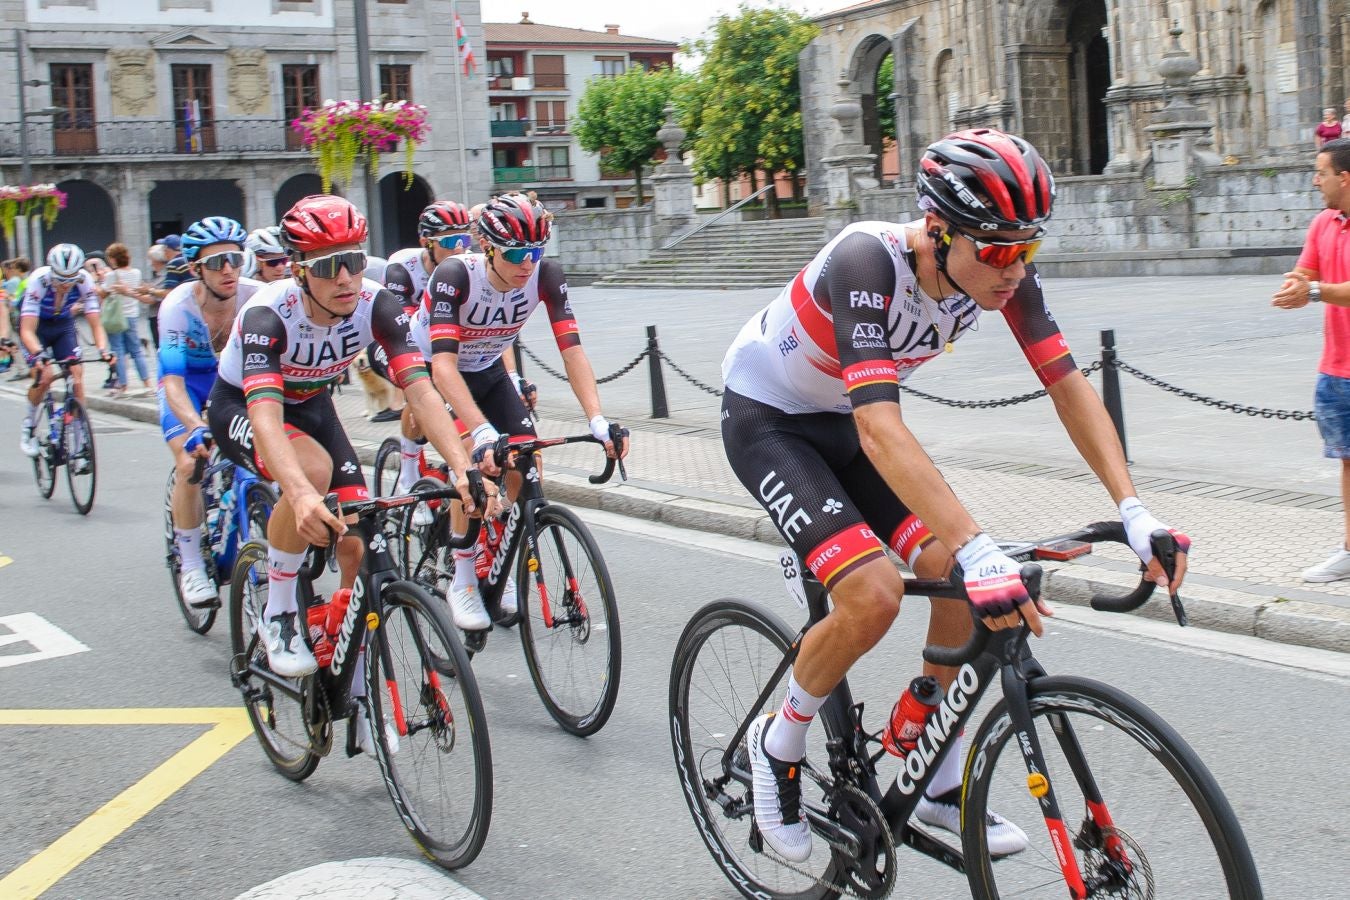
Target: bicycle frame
224,539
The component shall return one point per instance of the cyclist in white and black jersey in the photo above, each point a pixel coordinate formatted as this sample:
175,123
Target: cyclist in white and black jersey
271,410
812,426
272,260
474,307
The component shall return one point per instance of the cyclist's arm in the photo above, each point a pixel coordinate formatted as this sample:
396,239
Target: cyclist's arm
93,316
446,290
28,334
580,375
266,412
174,327
399,282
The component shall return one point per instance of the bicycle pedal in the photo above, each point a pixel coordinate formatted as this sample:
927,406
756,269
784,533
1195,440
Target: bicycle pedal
213,603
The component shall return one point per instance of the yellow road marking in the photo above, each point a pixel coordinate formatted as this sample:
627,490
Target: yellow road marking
117,815
4,561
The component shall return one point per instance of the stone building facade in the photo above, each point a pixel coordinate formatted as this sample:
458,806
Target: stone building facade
154,113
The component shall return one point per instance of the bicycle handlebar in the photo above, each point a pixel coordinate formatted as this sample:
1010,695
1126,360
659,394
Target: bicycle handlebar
506,445
1164,548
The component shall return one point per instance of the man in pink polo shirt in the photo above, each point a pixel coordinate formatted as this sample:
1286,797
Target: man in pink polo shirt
1323,276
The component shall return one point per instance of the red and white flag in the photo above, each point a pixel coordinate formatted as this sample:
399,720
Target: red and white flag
465,49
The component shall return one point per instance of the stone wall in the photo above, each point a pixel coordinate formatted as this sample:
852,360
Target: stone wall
597,241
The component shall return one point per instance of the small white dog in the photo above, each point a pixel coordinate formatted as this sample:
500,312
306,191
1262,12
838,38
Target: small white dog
380,394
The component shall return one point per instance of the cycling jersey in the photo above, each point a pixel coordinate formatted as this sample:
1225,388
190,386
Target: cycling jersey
405,276
854,324
39,297
275,353
461,312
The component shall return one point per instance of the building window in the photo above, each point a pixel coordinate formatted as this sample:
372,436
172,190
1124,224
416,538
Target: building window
193,113
73,93
501,67
610,66
549,72
594,203
553,164
550,117
396,83
299,92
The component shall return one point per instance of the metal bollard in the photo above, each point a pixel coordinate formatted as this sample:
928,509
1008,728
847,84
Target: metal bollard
660,410
1111,389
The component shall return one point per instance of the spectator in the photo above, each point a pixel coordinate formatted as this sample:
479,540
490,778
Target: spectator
152,287
1329,128
1345,120
16,280
1322,275
7,346
122,284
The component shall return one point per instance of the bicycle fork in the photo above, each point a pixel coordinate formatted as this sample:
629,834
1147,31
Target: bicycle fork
1038,784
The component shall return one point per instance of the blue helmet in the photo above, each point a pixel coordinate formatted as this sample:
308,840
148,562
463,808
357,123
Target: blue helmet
212,230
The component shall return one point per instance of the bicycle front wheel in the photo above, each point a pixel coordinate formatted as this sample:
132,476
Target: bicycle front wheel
432,743
278,718
201,619
724,660
570,623
259,502
49,451
1163,828
81,474
388,461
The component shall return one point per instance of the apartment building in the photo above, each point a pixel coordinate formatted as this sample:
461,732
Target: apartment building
537,75
153,113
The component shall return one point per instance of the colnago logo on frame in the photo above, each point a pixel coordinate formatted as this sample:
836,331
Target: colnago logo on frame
344,638
939,729
500,559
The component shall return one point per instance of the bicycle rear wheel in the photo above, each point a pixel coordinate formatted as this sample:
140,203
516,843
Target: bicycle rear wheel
259,502
49,451
278,718
419,682
420,550
388,461
1172,832
81,472
570,623
723,661
199,620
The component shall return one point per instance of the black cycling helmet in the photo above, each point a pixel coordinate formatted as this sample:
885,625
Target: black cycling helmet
441,217
986,180
515,221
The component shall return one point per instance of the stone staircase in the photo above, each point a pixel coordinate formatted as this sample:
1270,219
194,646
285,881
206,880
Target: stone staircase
731,255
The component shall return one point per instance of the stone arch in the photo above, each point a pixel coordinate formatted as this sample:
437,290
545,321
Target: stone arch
174,204
1090,79
296,187
865,63
947,91
1278,124
89,219
399,208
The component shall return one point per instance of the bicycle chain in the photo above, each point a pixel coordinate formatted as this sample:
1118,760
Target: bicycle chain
1227,406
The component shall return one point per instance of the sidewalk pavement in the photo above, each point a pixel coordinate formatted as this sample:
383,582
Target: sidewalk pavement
1251,543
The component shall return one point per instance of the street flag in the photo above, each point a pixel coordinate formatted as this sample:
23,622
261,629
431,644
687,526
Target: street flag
191,128
465,49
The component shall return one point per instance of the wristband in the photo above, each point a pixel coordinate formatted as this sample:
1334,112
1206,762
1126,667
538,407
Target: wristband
518,382
484,434
599,428
973,549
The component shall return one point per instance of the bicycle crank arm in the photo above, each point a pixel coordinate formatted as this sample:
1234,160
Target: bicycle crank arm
285,685
932,847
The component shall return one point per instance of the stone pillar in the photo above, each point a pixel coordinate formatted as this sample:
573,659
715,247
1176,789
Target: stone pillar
131,198
259,199
850,169
1181,136
673,184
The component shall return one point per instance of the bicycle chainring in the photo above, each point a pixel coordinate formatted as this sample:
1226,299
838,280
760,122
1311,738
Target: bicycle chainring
318,717
870,872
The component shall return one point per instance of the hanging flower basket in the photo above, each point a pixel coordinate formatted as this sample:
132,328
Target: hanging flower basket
29,199
340,131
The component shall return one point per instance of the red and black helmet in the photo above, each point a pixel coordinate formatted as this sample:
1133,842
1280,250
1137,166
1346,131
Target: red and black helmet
321,221
515,221
986,180
443,216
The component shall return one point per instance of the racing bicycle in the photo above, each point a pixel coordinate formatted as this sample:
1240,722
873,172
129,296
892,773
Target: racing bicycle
65,437
1129,810
419,692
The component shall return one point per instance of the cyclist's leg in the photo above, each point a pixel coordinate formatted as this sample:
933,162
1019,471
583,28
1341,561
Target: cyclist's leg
410,443
317,420
188,510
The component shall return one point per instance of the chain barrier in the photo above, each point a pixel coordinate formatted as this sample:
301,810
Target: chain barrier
562,377
1296,415
705,388
992,404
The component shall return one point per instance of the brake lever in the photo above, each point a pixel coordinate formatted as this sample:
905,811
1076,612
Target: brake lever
617,434
330,502
1164,547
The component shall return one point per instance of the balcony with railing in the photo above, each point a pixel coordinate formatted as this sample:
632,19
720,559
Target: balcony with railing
515,175
141,137
511,128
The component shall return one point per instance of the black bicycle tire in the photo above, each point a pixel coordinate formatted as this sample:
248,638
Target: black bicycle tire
389,448
552,515
78,412
259,494
465,849
242,646
42,463
198,620
1230,844
743,613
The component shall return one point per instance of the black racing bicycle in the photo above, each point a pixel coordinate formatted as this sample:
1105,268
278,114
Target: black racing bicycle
427,720
568,617
1129,810
65,437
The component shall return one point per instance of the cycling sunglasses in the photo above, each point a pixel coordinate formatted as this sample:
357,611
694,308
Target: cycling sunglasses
277,261
217,261
1002,254
354,261
463,240
517,255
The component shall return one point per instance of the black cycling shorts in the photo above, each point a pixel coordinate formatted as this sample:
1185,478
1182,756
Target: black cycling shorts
826,498
317,418
495,394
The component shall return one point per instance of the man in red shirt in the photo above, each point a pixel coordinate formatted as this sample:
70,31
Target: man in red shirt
1323,276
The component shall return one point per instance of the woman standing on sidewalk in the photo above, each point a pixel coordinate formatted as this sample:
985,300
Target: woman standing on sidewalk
122,285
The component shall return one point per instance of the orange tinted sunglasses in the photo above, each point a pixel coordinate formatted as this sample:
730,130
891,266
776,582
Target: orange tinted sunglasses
1002,254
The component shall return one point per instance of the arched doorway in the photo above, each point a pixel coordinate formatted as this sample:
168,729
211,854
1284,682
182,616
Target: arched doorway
87,221
399,209
296,187
1090,79
871,61
174,205
1278,80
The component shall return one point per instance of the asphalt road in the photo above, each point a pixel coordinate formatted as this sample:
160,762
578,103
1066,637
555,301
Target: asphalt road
597,818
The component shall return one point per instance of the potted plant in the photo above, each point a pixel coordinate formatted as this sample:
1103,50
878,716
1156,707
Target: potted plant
340,131
46,200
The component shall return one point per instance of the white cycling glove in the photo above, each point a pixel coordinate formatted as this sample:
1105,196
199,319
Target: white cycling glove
483,436
1140,525
993,581
600,428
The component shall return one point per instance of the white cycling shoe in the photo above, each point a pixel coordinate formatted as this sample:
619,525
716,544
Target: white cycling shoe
287,653
509,603
1004,838
365,738
466,608
778,798
199,591
28,441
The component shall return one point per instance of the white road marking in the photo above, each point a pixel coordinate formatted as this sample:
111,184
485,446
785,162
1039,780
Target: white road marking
48,641
372,878
1319,663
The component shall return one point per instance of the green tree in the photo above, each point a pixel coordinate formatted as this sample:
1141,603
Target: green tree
619,117
749,96
885,105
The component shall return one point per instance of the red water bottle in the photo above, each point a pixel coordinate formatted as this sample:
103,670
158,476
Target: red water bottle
318,633
907,717
337,611
489,538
